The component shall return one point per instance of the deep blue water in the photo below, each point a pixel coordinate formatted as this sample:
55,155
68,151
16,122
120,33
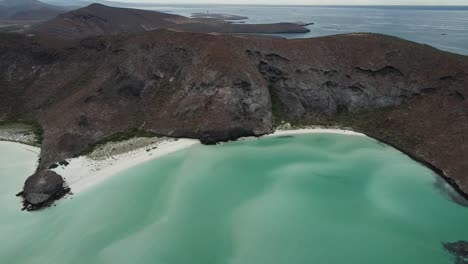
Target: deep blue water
445,28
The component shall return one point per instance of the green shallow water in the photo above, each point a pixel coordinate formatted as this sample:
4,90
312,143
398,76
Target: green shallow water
317,198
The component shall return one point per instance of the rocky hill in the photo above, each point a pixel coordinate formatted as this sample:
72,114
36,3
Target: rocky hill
221,87
97,19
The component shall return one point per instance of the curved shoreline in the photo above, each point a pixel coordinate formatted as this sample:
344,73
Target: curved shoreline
426,164
26,146
315,131
84,172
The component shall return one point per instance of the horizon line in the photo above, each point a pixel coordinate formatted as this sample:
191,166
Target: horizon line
247,4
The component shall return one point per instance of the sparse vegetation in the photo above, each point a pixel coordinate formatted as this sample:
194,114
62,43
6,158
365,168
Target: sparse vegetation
121,136
24,125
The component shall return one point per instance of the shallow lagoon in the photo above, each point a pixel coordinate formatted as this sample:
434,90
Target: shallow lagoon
318,198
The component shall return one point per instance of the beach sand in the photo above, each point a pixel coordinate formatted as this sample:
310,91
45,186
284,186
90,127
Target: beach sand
84,172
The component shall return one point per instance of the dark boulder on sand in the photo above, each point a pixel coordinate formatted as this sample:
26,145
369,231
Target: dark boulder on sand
42,189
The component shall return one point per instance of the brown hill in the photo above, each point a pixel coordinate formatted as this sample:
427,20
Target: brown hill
221,87
98,19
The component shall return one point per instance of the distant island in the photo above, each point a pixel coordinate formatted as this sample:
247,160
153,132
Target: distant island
97,19
223,17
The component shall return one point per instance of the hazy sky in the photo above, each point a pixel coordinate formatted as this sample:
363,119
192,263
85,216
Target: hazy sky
313,2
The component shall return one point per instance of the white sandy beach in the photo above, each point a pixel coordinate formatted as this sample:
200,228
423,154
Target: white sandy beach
85,172
314,130
29,148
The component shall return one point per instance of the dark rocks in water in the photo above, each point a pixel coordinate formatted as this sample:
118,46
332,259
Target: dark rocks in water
42,189
447,189
459,249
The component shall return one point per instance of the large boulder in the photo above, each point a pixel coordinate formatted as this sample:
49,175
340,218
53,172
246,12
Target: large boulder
42,188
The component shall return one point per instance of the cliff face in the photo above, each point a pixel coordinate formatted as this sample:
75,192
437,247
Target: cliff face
168,83
408,95
223,87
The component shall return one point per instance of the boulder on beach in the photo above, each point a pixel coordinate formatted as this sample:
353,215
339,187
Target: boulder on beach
43,188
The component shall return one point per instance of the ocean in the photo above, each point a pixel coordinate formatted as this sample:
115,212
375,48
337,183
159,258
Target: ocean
315,198
445,28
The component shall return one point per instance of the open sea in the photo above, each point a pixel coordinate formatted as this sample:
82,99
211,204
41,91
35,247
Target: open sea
316,198
445,28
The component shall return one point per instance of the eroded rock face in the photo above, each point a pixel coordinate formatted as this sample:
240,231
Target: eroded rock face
42,188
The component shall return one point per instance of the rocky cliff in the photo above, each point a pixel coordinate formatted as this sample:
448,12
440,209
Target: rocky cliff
219,87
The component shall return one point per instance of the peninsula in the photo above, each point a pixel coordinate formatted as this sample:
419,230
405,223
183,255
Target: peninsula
97,19
100,80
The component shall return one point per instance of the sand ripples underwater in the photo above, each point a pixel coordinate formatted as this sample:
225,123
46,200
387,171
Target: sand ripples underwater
318,198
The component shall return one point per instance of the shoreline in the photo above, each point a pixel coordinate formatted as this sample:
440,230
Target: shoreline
440,173
85,172
36,150
317,130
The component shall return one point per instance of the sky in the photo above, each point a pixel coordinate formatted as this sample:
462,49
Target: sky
311,2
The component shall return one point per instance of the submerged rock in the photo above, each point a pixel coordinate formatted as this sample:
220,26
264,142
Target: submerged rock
42,189
459,249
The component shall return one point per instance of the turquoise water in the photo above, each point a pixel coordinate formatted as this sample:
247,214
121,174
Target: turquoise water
317,198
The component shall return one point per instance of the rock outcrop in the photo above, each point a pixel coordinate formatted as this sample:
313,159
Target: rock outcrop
42,188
